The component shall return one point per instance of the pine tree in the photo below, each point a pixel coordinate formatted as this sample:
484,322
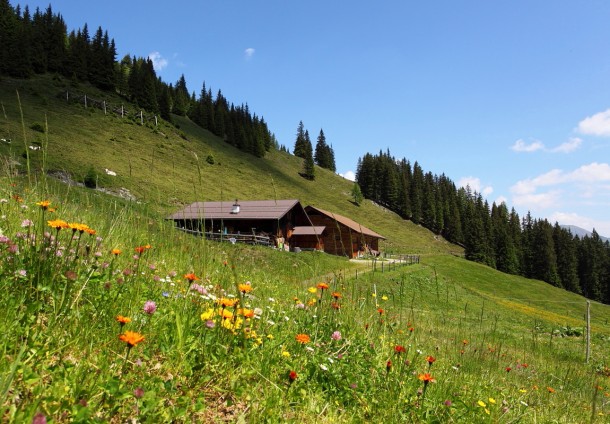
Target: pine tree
299,144
357,196
308,163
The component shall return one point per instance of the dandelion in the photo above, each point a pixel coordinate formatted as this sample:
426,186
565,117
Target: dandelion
292,376
303,338
336,335
150,307
245,288
132,338
123,320
44,204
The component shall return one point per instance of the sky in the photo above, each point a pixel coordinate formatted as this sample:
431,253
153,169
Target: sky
511,97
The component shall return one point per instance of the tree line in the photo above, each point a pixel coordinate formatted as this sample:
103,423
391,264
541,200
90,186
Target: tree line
492,235
39,43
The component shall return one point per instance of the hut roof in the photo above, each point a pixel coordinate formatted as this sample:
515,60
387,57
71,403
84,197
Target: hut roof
308,231
248,209
347,222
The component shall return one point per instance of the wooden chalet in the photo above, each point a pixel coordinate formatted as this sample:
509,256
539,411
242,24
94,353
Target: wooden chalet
343,236
282,223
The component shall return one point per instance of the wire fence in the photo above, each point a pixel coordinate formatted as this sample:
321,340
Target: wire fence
108,107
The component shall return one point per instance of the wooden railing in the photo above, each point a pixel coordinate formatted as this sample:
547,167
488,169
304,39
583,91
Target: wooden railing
232,238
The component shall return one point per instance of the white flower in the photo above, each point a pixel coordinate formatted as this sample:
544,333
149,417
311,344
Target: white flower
309,348
272,300
270,322
324,367
331,360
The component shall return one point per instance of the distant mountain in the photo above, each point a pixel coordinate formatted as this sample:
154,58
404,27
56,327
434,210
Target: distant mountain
581,232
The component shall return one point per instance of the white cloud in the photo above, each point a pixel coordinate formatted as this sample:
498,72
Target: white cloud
500,200
587,181
569,146
349,175
249,52
159,62
598,124
475,185
522,146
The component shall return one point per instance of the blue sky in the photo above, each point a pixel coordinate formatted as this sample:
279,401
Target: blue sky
509,96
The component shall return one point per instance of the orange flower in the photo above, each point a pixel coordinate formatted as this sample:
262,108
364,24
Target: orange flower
227,303
430,359
75,226
58,224
245,288
323,286
191,277
426,378
44,204
292,376
303,338
335,305
247,313
131,338
399,349
90,231
550,389
380,311
336,295
116,252
464,342
123,320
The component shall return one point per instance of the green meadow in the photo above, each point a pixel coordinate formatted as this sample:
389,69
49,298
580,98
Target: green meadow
109,314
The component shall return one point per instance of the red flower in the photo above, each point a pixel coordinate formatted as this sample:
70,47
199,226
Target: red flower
399,349
426,378
380,311
430,359
292,376
508,369
388,366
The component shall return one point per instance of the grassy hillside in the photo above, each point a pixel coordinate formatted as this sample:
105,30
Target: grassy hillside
165,167
446,340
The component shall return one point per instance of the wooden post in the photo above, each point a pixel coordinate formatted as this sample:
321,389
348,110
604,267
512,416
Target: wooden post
85,101
104,107
156,122
67,96
122,111
588,351
141,118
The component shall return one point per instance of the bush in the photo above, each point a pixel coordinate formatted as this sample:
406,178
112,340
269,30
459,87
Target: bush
210,159
37,127
90,179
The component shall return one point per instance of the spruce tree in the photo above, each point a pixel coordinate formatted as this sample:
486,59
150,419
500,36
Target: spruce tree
299,144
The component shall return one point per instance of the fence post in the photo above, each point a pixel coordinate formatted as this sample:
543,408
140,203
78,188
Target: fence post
156,122
104,107
67,96
122,111
85,101
588,351
141,118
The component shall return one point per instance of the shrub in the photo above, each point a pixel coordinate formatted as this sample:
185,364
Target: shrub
36,126
210,159
90,179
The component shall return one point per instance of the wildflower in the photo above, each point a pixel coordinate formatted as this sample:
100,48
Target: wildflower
388,365
508,369
227,303
150,307
384,297
142,249
550,389
492,401
123,320
245,288
323,286
336,335
44,204
335,305
116,252
285,354
303,338
336,295
247,313
399,349
210,324
191,277
58,224
430,359
482,404
426,378
26,223
312,290
464,342
39,418
300,305
138,393
447,403
292,376
131,338
380,311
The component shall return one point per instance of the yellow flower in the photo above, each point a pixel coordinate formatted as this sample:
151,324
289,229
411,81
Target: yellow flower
44,204
285,354
374,294
270,336
492,401
207,315
482,404
312,290
523,391
384,297
245,288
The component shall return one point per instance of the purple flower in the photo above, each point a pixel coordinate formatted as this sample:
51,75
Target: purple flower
150,307
165,294
39,418
448,402
26,223
210,324
138,393
200,289
336,335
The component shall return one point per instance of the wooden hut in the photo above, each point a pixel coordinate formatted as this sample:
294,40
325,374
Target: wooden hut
343,236
268,222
